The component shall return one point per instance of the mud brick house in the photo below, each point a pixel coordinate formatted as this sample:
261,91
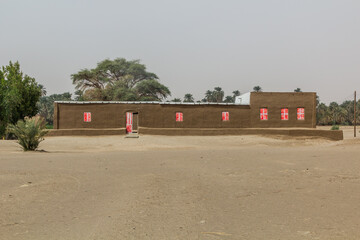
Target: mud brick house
252,113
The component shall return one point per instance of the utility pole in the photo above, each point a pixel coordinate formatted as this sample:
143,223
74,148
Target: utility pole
355,114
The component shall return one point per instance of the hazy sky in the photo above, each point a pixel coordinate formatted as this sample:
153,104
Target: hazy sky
192,45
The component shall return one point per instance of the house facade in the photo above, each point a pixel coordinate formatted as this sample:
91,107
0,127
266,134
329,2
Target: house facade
258,110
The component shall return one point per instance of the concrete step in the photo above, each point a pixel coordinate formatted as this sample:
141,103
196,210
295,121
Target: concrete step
132,135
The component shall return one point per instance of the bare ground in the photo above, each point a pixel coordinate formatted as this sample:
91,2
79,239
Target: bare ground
235,187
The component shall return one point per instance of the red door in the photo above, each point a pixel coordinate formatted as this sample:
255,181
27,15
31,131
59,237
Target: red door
129,122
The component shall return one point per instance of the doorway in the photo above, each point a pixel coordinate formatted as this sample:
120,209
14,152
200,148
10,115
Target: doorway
132,122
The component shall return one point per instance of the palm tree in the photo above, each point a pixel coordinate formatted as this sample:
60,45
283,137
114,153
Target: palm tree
43,90
334,110
236,93
188,97
322,114
257,89
229,99
348,107
218,94
176,100
209,97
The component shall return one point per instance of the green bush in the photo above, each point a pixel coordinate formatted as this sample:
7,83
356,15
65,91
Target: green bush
335,127
29,132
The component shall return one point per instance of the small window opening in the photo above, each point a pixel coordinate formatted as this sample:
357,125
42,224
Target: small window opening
179,117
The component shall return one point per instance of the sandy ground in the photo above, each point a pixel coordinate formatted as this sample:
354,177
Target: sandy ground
235,187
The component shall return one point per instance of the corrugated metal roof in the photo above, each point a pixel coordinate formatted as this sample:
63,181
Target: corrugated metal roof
141,102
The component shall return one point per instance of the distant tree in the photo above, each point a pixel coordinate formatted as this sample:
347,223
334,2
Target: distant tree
218,94
322,114
347,112
337,113
297,90
176,100
119,79
188,97
79,95
43,90
209,97
117,92
46,105
214,96
317,100
236,93
229,99
151,90
19,94
257,89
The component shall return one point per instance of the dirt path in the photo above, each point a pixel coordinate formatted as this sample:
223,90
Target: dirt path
181,188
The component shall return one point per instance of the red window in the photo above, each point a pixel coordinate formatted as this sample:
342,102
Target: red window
179,117
87,116
225,116
301,114
263,114
284,114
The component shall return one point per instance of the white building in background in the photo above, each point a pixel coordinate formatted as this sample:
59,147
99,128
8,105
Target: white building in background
243,99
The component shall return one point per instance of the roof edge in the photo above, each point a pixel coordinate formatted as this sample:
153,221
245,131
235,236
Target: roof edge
142,102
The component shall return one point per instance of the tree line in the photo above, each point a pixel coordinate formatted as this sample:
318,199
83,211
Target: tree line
118,80
337,114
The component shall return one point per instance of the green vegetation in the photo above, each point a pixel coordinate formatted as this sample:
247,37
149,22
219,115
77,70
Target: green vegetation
188,97
217,96
46,105
19,94
175,100
231,99
337,114
214,96
257,89
335,127
29,132
119,80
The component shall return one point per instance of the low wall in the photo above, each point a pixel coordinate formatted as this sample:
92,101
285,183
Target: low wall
327,134
86,132
314,133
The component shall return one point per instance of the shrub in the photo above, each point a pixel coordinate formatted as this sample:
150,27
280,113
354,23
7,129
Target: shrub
335,127
29,132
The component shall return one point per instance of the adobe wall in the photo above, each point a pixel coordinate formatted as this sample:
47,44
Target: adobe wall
275,101
112,115
289,132
103,116
195,116
86,132
154,115
206,119
312,133
56,120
